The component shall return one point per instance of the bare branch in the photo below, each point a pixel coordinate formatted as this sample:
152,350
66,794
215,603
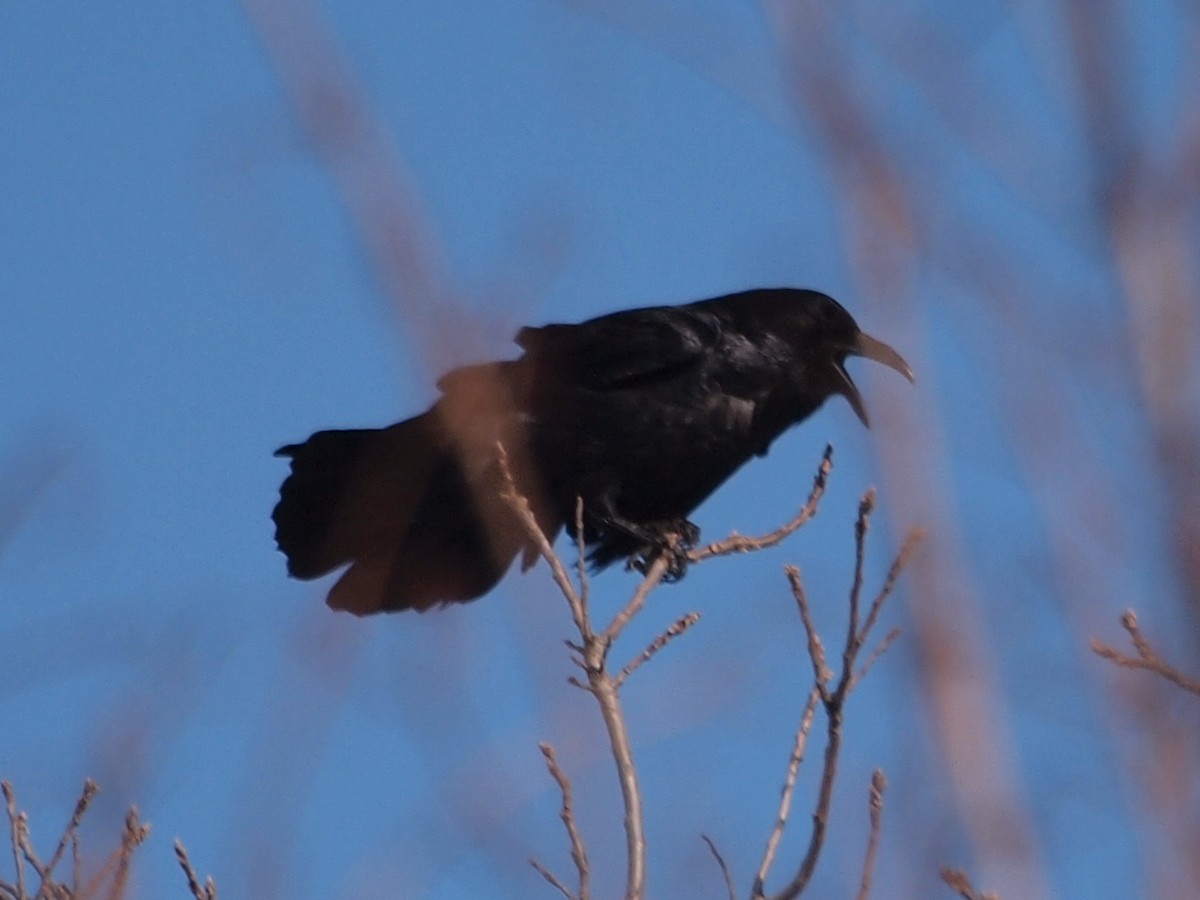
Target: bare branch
880,649
117,864
816,650
131,838
712,848
605,692
581,551
875,802
552,878
593,647
737,543
865,507
15,820
649,582
69,835
1147,657
834,702
911,541
521,507
205,891
578,851
799,745
680,626
592,655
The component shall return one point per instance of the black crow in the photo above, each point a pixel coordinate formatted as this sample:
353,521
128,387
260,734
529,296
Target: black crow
641,413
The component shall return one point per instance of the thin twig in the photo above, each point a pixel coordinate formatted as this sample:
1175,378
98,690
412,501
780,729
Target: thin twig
594,645
649,582
816,650
90,790
521,506
205,891
912,540
117,864
865,507
14,828
737,543
799,745
552,878
567,814
712,848
76,864
1147,657
873,657
680,626
601,684
131,838
834,701
875,802
581,552
820,818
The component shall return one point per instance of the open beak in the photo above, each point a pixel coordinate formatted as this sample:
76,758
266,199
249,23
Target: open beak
869,348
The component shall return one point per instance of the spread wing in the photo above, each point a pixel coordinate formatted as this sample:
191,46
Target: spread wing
622,350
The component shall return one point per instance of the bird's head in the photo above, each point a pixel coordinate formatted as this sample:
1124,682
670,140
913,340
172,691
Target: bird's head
846,339
823,335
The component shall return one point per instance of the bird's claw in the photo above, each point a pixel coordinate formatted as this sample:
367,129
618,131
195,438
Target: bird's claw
674,541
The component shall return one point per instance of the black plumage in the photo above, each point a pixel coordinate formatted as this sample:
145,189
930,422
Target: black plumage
643,413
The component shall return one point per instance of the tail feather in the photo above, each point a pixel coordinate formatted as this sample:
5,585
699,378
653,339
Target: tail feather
418,529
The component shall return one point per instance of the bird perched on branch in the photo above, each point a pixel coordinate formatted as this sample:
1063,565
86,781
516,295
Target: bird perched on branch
641,413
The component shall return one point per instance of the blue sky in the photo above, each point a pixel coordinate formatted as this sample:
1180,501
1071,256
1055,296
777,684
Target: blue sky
183,289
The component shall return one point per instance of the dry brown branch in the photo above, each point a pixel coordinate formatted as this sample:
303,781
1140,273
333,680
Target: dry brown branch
1147,657
205,891
70,833
552,878
559,572
132,837
716,854
833,700
737,543
875,802
594,645
15,827
567,814
110,881
680,626
873,657
958,880
816,650
799,745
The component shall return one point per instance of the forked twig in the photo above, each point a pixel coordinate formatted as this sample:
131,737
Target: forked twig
738,543
70,833
591,654
205,891
1147,657
833,698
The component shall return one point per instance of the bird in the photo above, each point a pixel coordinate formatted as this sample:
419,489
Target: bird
637,415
